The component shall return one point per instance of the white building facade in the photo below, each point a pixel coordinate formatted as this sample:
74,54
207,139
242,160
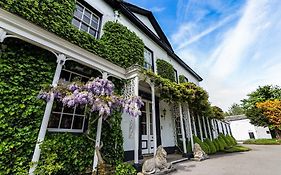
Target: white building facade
242,129
161,123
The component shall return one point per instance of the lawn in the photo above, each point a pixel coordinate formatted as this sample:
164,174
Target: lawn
263,141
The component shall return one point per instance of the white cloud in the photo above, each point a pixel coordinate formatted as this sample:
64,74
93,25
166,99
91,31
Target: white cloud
157,9
185,28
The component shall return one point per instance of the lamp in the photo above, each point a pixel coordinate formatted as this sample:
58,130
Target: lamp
163,113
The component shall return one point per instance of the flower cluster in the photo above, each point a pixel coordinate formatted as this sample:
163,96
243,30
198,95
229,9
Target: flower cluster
132,106
97,94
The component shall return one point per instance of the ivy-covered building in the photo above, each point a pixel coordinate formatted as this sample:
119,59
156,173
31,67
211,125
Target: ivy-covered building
44,41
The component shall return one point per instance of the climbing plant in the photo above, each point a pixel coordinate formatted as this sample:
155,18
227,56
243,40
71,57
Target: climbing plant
118,44
165,70
23,68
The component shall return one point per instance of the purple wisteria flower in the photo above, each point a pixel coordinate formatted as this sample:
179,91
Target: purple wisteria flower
97,94
132,106
44,95
100,87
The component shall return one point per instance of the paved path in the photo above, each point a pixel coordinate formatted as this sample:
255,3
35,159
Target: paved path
261,160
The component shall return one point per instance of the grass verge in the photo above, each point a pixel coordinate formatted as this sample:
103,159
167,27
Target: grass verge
263,141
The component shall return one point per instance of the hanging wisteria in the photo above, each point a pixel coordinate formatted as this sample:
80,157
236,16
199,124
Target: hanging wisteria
97,95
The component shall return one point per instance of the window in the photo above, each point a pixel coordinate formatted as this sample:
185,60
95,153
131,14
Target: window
65,119
176,75
86,20
251,135
148,59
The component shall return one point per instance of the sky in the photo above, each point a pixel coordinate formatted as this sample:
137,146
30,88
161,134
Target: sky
234,45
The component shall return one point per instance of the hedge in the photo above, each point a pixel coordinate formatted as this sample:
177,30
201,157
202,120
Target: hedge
165,70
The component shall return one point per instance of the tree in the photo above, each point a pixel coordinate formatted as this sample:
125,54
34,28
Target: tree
235,109
272,110
262,94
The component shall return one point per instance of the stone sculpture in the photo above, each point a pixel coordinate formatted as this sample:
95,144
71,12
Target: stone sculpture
198,153
158,164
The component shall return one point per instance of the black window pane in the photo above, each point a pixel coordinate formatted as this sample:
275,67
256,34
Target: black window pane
79,110
78,14
79,7
75,22
68,110
87,13
86,19
54,120
92,32
84,27
66,121
94,24
65,75
78,122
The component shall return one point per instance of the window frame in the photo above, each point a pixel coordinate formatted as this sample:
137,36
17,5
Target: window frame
73,114
152,58
93,12
176,76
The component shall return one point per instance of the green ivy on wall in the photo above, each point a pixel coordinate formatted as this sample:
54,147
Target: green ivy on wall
23,68
118,44
165,70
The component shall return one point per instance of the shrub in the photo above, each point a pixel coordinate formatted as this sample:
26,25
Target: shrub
211,145
226,140
231,140
237,148
217,145
222,141
204,146
125,169
234,140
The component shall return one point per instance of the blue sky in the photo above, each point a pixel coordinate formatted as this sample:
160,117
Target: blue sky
235,45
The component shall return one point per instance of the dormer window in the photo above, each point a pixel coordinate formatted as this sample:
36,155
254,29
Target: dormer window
86,20
148,59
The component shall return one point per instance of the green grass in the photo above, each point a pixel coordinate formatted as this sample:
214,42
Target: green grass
236,148
263,141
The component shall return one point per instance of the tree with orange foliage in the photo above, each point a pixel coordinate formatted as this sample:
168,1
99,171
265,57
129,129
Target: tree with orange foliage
272,110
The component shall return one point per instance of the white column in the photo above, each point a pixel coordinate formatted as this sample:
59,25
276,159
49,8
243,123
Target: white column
194,126
204,126
190,130
43,129
136,150
98,136
182,130
200,127
154,119
209,128
213,128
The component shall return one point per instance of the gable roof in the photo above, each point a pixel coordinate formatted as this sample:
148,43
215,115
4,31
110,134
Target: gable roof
127,9
235,117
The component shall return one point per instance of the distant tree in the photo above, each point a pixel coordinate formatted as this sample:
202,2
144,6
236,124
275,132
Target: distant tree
262,94
235,109
272,110
217,113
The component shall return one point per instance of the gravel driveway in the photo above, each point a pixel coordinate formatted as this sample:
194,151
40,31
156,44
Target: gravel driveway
261,160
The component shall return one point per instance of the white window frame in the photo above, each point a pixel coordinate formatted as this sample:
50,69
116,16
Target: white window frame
88,25
148,66
58,129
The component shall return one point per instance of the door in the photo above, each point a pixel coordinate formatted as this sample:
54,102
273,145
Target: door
146,128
